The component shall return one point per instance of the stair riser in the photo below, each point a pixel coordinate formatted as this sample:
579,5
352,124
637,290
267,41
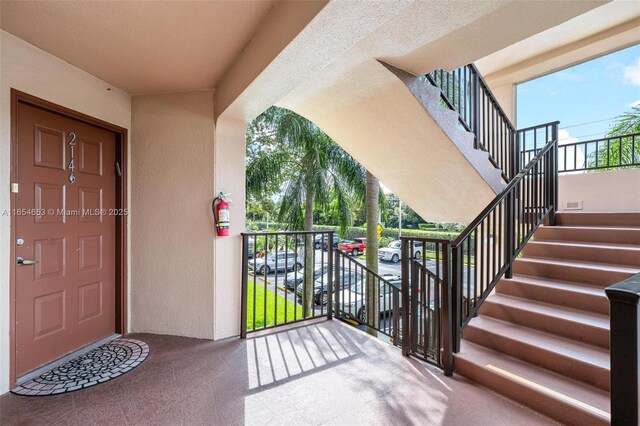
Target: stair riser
613,236
559,326
570,299
587,275
529,396
559,363
598,219
617,256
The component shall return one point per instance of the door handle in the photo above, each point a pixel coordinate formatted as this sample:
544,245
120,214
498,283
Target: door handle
23,261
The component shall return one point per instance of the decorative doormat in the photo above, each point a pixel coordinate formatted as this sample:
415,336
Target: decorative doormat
99,365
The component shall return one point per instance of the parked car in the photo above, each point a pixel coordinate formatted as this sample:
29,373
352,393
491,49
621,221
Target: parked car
354,247
322,240
294,278
393,252
354,298
336,241
276,261
321,284
250,248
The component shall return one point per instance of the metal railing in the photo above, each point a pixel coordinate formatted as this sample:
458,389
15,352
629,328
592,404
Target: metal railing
456,277
483,253
608,153
426,293
464,90
624,308
443,282
286,278
366,297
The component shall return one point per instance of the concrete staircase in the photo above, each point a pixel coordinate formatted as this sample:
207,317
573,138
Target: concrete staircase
394,124
543,338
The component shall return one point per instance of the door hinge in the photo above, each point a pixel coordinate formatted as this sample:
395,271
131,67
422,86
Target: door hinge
14,187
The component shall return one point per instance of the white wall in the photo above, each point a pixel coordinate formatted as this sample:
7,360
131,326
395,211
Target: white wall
172,249
31,70
615,191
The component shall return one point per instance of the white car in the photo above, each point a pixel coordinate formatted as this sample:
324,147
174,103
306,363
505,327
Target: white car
279,261
393,252
352,298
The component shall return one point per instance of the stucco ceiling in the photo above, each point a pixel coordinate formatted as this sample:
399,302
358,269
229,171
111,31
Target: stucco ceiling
581,28
140,46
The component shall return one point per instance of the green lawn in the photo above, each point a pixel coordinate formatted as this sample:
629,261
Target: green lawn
272,315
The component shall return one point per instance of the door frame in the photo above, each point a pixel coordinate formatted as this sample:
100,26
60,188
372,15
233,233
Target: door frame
121,299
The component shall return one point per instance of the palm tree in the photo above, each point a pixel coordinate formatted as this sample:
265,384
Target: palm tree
373,216
624,150
313,171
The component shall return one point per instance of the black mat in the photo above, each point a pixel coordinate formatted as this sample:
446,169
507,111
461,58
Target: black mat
99,365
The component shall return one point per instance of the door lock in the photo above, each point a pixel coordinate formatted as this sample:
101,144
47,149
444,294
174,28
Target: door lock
23,261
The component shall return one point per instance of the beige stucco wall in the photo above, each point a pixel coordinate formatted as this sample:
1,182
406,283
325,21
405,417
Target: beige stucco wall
615,191
172,249
229,178
506,97
31,70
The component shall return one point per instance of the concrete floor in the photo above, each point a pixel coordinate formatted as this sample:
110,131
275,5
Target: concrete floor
324,372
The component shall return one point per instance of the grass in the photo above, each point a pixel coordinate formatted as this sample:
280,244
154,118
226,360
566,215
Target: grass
272,314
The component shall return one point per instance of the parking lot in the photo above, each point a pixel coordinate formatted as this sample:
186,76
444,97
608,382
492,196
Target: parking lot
275,282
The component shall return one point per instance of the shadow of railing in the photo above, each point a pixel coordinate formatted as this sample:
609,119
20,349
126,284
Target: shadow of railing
279,357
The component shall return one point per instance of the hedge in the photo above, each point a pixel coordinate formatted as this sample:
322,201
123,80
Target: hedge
358,232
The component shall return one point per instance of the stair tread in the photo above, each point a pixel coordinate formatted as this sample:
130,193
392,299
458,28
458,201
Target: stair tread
583,352
566,285
549,309
545,381
581,264
563,243
591,227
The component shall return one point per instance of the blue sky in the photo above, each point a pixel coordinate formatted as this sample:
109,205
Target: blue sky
595,91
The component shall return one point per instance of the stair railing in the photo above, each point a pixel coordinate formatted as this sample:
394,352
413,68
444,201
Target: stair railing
465,91
465,271
484,252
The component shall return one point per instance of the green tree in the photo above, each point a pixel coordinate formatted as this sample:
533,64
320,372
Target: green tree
623,151
410,219
312,170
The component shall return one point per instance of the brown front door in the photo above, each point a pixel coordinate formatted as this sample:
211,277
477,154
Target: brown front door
67,299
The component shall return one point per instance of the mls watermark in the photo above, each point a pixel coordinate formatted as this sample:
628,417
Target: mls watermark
65,212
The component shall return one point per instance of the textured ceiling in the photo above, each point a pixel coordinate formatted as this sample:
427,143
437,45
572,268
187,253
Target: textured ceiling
140,46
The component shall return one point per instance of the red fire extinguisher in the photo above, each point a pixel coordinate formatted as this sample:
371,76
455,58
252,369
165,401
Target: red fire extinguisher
220,208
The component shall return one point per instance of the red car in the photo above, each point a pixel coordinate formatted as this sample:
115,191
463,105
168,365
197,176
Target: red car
354,247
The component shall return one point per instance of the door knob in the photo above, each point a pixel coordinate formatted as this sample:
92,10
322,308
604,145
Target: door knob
23,261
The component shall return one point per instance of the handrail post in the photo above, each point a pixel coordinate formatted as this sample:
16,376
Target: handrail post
336,282
554,176
515,144
412,318
449,302
510,222
404,254
624,328
476,107
330,269
244,284
396,314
